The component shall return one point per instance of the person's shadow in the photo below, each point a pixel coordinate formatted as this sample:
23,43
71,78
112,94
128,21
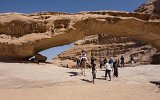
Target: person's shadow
100,78
73,73
86,80
157,83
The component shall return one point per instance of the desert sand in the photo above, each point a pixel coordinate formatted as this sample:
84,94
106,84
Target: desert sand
27,81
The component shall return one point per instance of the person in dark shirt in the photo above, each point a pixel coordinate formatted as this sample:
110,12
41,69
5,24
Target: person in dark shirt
100,63
94,72
104,61
122,61
78,62
115,68
118,62
132,59
92,60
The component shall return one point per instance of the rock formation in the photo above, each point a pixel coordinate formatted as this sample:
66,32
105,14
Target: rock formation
105,46
24,35
151,7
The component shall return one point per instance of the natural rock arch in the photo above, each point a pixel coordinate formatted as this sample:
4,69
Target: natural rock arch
23,35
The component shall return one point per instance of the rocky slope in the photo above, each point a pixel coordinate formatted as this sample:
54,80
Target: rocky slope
150,7
24,35
104,46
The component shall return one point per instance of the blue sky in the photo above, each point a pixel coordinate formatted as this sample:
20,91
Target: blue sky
70,6
29,6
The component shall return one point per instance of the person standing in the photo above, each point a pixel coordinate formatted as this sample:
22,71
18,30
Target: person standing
115,68
92,60
118,62
100,63
111,61
104,61
132,59
78,62
84,60
122,61
94,72
108,70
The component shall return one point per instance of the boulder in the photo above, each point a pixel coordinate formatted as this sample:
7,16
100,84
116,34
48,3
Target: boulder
40,58
156,59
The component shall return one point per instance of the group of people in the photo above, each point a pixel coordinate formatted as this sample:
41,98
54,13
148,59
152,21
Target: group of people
119,62
109,65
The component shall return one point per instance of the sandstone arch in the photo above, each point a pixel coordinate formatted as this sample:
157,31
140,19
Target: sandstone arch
23,35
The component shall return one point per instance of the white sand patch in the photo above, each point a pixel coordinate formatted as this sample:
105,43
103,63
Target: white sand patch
48,82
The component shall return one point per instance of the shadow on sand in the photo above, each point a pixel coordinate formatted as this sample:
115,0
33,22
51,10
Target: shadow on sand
86,80
26,62
157,83
73,73
100,78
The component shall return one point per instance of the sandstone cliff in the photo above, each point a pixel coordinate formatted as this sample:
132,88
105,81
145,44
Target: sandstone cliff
150,7
104,46
24,35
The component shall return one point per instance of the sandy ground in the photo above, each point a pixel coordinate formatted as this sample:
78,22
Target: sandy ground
49,82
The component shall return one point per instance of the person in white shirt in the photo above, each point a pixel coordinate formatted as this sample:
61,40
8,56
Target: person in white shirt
108,68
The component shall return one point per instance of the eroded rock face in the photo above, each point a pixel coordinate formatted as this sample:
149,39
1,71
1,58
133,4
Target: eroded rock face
106,46
150,7
156,59
23,35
